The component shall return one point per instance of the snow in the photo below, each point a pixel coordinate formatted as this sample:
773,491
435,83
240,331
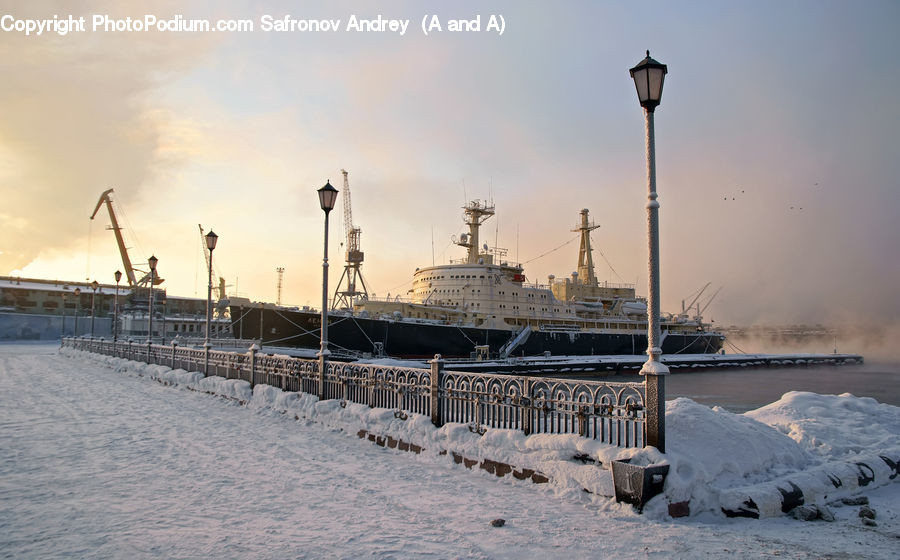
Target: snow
833,426
101,457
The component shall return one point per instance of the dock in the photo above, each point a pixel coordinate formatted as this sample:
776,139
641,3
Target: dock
630,365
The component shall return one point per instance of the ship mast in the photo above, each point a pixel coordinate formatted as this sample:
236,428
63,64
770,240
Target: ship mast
476,213
585,259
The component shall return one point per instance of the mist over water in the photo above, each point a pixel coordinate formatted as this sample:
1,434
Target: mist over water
740,390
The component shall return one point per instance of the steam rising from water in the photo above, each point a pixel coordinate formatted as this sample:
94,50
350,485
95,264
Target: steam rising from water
876,343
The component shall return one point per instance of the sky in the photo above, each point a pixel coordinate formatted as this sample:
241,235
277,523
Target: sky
776,146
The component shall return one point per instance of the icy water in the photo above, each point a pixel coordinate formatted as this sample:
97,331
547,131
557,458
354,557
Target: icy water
743,389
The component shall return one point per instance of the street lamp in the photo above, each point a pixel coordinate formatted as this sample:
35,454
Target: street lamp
65,297
327,198
118,275
152,262
94,286
648,78
211,240
77,308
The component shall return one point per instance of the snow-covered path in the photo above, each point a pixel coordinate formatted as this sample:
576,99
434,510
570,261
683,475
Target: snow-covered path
98,464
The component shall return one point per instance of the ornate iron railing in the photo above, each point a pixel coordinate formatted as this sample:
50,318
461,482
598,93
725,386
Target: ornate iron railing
615,413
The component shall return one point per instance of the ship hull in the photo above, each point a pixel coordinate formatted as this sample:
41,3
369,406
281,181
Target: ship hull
411,339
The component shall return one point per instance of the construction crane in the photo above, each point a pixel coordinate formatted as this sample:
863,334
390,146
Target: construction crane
346,291
205,250
120,241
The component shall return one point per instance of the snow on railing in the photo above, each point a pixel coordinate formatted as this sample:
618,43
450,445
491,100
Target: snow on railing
613,413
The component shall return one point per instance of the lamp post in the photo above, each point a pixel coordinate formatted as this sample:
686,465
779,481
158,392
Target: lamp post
152,262
65,297
118,276
211,240
327,198
77,308
94,286
648,78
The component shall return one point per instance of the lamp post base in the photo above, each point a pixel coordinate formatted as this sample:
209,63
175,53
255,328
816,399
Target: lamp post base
655,373
322,355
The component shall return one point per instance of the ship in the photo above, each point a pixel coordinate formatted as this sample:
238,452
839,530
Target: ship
482,306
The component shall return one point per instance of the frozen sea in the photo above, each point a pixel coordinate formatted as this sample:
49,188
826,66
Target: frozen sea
97,462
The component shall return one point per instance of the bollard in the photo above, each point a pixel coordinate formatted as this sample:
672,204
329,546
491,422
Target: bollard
174,346
437,374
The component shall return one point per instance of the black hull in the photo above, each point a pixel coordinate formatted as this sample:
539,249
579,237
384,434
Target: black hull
410,339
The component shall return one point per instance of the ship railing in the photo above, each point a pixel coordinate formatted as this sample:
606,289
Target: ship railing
613,413
560,327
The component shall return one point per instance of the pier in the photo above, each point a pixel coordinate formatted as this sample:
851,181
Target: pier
626,364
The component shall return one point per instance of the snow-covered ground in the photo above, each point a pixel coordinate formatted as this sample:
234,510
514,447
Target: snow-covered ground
99,459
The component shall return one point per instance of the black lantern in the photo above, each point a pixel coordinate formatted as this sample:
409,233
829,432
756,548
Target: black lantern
648,78
327,197
211,239
118,275
152,261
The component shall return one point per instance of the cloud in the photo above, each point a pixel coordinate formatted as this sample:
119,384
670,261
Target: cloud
77,117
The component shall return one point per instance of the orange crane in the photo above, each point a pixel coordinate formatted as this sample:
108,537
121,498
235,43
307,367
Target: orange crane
120,241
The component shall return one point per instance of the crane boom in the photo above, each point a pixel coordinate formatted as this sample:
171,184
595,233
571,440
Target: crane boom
348,211
120,241
696,298
203,248
711,298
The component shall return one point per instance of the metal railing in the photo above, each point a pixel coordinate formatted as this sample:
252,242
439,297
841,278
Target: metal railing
614,413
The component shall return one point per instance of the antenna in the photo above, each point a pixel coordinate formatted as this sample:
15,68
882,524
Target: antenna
496,230
280,271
